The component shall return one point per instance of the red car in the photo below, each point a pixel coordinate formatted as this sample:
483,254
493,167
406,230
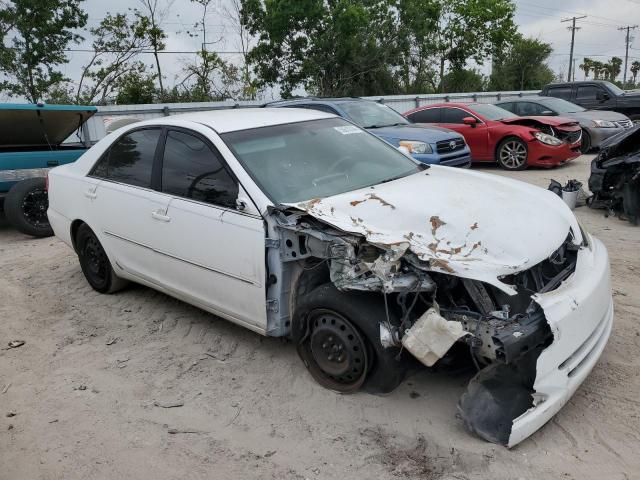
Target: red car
495,134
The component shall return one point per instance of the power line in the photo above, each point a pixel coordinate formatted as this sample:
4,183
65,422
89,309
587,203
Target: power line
573,28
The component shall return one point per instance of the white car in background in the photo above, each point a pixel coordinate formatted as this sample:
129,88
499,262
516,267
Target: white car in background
297,223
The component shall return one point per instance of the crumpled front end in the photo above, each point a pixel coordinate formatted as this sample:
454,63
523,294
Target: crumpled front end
527,301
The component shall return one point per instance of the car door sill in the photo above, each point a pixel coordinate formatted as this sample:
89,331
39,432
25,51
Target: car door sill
242,279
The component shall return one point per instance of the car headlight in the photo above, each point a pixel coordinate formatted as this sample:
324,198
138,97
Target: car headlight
416,147
604,124
547,139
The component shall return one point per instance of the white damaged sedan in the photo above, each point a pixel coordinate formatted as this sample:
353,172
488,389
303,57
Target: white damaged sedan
299,224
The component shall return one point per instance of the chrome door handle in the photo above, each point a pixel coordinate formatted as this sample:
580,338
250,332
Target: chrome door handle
160,217
91,194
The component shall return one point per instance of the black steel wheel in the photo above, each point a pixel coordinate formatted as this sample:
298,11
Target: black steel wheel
95,263
26,207
337,351
337,335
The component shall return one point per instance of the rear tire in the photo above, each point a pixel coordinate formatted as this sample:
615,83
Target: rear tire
585,147
26,207
346,326
512,154
94,262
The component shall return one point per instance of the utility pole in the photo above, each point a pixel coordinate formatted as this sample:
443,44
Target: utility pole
573,28
626,55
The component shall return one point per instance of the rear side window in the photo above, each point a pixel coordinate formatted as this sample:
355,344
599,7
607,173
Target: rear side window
560,92
507,106
588,92
528,109
130,159
190,169
430,115
453,115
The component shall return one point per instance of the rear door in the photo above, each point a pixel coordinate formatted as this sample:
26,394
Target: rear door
212,250
125,212
475,135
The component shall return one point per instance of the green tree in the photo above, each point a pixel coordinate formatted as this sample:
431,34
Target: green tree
36,34
613,68
417,45
117,42
586,66
136,87
635,68
473,30
523,66
462,80
341,47
155,12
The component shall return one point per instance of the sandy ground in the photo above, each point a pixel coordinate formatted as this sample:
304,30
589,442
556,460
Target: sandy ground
90,388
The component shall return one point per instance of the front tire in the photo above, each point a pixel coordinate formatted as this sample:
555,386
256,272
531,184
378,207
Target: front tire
512,154
585,147
26,207
94,262
337,335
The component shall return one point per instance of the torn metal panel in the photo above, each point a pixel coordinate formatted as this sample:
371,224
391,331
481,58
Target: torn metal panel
444,220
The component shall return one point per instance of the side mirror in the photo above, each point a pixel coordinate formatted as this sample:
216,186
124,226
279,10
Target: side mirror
603,96
240,205
471,121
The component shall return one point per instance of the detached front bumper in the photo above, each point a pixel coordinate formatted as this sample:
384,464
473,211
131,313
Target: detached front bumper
580,314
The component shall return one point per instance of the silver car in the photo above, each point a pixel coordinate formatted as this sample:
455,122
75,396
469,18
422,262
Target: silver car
597,125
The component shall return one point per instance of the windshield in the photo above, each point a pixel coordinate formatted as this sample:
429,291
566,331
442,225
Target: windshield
614,88
491,112
372,115
316,159
559,105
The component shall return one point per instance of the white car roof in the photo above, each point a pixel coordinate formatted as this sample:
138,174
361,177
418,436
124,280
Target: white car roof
231,120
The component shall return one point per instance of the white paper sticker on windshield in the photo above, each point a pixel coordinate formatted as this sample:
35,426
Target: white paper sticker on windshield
348,129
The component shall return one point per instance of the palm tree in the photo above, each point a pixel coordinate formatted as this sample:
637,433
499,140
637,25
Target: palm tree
614,67
635,68
587,65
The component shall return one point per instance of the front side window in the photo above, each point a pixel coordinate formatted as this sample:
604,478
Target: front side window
315,159
491,112
190,169
526,109
130,159
372,115
429,115
588,92
454,115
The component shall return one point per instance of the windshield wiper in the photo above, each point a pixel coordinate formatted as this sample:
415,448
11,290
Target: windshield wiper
383,126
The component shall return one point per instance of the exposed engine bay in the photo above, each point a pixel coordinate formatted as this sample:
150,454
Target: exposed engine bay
615,176
427,309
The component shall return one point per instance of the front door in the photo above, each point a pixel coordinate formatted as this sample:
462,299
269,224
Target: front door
475,135
213,250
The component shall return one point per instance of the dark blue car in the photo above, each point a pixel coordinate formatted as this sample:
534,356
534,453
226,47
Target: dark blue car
427,144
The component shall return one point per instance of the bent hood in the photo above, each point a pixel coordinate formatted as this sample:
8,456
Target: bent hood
464,223
417,132
565,123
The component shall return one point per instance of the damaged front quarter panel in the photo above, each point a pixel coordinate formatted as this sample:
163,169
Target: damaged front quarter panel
514,288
